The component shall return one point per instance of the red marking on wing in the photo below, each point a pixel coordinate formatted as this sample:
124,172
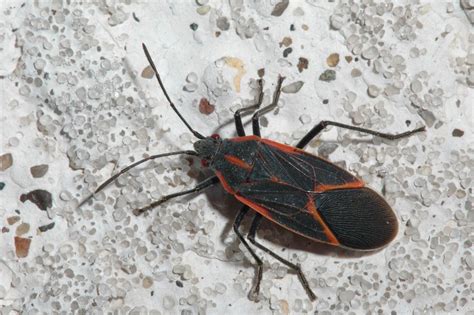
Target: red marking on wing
224,183
237,162
246,138
281,146
275,179
311,207
323,188
262,210
332,240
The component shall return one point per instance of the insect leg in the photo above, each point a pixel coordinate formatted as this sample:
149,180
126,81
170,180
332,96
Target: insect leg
200,186
258,277
266,109
323,124
242,111
251,236
126,169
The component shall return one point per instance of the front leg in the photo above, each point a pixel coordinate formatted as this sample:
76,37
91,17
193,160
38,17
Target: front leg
266,109
200,186
242,111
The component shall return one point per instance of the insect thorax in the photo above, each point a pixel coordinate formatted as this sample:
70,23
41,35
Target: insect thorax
207,148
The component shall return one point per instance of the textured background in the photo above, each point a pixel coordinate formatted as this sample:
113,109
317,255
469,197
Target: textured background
78,103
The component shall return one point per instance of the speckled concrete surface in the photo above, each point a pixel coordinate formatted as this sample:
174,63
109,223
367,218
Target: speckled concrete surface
79,103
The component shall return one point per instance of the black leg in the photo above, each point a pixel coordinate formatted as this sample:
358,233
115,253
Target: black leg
200,186
296,268
237,116
258,275
323,124
266,109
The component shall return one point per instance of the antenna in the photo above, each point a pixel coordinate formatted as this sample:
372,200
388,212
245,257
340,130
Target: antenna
152,64
126,169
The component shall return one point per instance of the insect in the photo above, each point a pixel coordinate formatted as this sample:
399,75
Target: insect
286,185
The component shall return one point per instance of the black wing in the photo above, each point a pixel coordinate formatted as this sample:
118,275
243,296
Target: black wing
353,218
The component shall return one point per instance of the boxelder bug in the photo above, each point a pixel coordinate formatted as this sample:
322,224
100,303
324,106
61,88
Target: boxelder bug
288,186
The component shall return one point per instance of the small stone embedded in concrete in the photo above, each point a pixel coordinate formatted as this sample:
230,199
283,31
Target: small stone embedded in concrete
293,87
328,75
286,41
2,185
373,91
40,197
416,86
223,23
280,7
192,77
205,107
190,87
356,73
326,148
46,227
457,132
147,282
22,229
148,72
13,219
194,26
203,10
333,59
302,64
336,22
287,51
370,53
427,116
38,171
22,246
6,160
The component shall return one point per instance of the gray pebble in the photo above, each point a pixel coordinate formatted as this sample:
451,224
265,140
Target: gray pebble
328,75
293,87
223,23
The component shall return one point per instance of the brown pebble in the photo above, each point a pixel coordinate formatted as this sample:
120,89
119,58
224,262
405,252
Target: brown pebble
41,198
22,246
280,7
305,27
333,60
348,59
6,161
22,229
302,64
458,132
38,171
205,107
12,220
261,72
148,72
5,229
287,41
147,282
356,73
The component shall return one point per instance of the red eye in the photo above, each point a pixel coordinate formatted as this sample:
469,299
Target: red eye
215,136
204,163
